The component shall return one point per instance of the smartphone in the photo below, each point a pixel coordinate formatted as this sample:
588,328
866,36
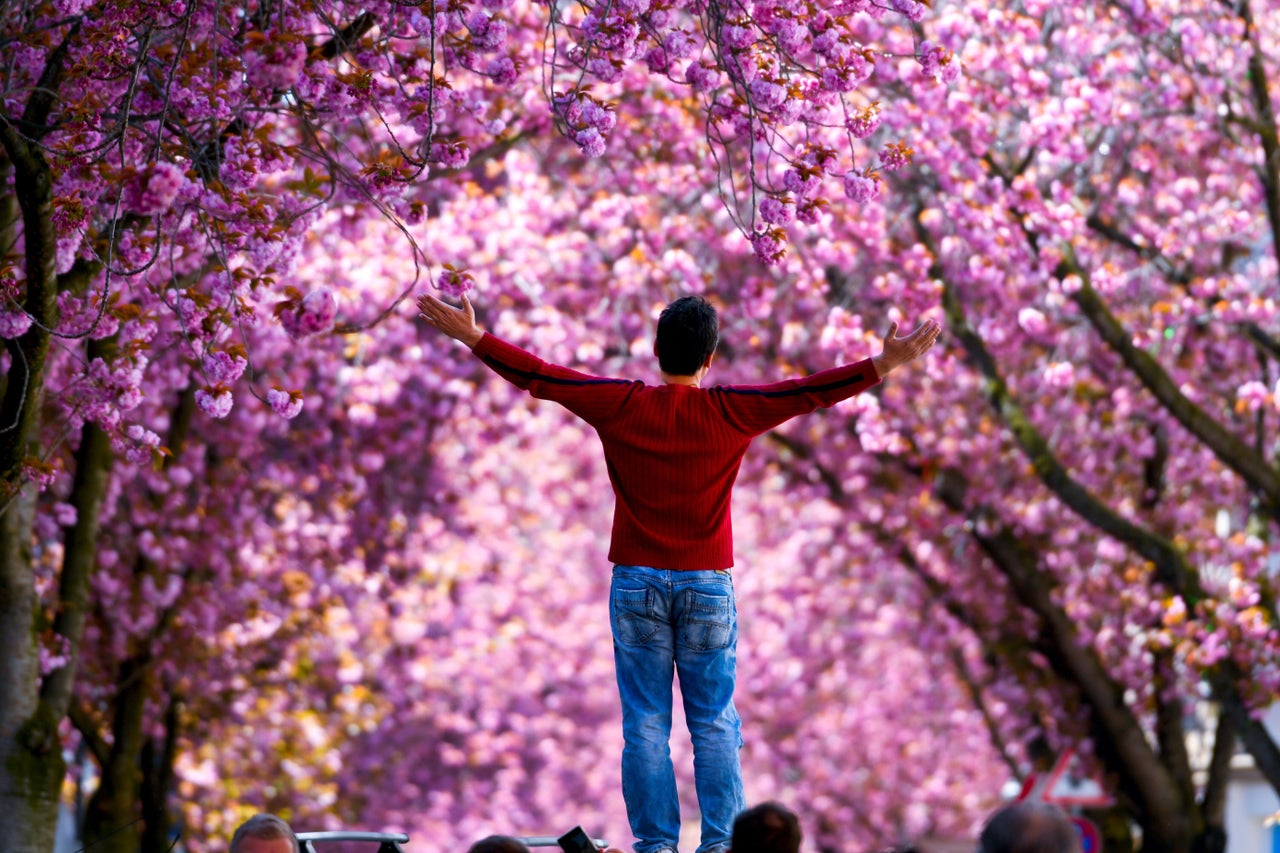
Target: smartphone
576,841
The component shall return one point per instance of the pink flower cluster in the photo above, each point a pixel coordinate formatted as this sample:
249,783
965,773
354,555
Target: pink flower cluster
216,402
138,444
861,187
777,211
287,404
275,63
452,154
108,391
223,368
864,122
455,281
769,246
938,62
310,315
154,190
895,155
14,322
588,121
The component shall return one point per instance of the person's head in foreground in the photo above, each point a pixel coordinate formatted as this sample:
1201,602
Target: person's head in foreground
688,330
766,828
499,844
1029,828
264,833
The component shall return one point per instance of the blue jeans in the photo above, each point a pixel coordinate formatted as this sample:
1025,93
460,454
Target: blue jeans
667,622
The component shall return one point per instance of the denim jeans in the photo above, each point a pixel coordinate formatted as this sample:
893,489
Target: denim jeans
667,622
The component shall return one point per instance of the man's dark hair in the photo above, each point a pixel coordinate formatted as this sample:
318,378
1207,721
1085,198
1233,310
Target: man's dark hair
266,827
687,333
1029,828
499,844
766,828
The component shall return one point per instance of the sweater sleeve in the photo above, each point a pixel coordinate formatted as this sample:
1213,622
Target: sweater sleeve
754,409
595,399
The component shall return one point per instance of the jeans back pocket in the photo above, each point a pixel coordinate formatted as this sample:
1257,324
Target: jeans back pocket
633,620
707,620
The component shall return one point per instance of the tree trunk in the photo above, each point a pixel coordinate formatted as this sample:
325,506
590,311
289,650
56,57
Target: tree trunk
31,765
112,820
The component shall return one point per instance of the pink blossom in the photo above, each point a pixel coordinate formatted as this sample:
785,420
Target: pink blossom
913,10
865,122
53,659
802,184
276,64
678,44
808,212
315,313
139,444
64,514
590,141
222,368
451,155
1032,321
770,246
597,116
154,190
702,76
14,322
215,403
736,36
766,95
287,404
777,211
938,62
503,70
1253,395
861,188
895,155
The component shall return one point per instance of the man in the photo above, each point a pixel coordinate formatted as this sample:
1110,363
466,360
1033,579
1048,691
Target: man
499,844
1028,827
673,452
264,833
766,828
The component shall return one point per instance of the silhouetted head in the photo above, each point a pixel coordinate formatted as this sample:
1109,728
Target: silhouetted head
1029,828
499,844
688,330
766,828
264,833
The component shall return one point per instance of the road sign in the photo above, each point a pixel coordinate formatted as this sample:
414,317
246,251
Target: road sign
1090,838
1065,785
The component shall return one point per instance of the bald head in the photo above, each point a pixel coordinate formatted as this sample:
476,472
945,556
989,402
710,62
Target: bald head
1029,828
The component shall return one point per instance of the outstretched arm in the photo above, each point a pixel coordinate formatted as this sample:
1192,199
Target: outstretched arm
900,350
457,323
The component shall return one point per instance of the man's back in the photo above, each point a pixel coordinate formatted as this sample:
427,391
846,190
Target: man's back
673,450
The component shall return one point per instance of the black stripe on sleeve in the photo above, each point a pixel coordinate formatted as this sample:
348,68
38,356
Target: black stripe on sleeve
791,392
555,380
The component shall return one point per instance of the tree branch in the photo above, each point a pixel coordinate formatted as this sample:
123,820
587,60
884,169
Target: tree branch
93,467
1171,565
87,726
1231,450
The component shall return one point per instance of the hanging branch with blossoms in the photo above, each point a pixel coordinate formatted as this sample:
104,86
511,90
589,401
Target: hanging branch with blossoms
777,81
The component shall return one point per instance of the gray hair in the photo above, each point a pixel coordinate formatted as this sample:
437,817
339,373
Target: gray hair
266,827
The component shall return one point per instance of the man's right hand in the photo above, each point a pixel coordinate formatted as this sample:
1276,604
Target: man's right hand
457,323
900,350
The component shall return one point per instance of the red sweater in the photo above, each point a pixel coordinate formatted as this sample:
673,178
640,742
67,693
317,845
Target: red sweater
673,451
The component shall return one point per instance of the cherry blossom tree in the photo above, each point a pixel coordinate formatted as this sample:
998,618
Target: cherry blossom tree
1096,208
268,544
165,168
